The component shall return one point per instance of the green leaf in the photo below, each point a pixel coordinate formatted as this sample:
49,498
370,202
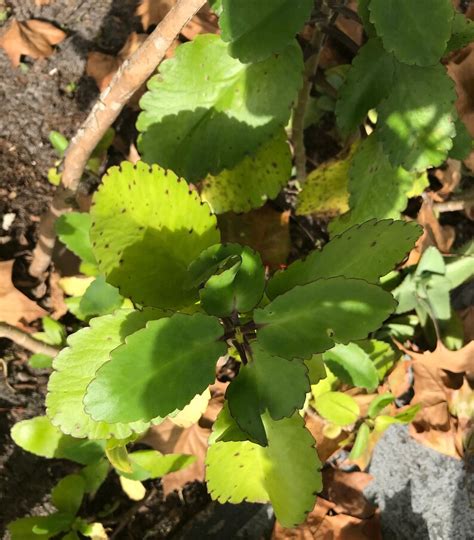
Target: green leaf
460,270
408,415
462,143
73,230
76,366
100,298
416,121
162,228
352,365
267,383
364,14
378,404
39,527
67,495
206,111
94,475
40,361
385,243
59,142
326,189
462,33
361,442
312,318
337,407
38,436
238,282
316,369
159,369
252,181
381,354
256,30
148,464
416,32
286,472
371,173
53,333
369,81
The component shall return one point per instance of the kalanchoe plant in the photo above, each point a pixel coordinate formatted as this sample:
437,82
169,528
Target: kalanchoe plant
194,300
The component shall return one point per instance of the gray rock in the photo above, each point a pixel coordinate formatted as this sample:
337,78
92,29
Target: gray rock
422,494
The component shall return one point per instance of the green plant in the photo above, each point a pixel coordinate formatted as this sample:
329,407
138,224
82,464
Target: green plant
197,300
41,438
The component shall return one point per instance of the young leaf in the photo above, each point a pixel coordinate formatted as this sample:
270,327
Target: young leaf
94,475
361,442
39,527
371,173
378,404
385,243
40,361
403,27
238,282
352,365
368,82
416,121
76,366
256,30
381,354
73,230
326,188
286,472
159,369
202,120
337,407
68,493
100,298
38,436
267,383
148,464
162,228
462,33
134,489
53,333
252,181
312,318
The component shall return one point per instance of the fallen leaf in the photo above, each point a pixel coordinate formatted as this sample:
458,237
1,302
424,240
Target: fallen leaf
265,230
31,38
434,234
449,177
15,308
151,12
346,491
399,379
442,358
102,67
43,2
56,297
322,524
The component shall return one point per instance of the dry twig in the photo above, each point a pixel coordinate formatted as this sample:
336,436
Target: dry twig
129,78
25,340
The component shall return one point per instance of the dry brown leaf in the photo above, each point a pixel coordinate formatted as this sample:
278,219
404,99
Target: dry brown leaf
322,525
15,308
345,490
433,234
449,177
30,38
399,379
40,3
442,358
151,12
102,67
265,230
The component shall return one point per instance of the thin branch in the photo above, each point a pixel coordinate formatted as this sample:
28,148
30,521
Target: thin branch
299,113
129,78
25,340
130,514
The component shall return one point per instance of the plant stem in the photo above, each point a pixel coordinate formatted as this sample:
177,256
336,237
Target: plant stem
129,78
299,113
25,340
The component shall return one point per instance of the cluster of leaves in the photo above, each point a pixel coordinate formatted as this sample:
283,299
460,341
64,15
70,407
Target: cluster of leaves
196,301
